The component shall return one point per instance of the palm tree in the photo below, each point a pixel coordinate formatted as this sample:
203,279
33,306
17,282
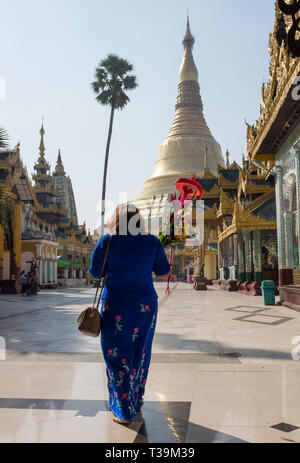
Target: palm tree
113,78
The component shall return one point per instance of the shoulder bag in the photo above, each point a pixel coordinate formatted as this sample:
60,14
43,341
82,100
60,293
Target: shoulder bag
89,321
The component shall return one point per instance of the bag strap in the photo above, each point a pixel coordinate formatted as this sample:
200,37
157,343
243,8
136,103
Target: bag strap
100,277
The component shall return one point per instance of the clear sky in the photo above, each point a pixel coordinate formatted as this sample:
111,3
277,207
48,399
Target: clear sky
50,48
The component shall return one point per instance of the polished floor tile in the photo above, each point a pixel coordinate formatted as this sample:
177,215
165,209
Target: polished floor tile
221,371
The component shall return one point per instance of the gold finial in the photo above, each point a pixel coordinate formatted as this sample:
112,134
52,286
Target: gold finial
42,144
244,161
227,160
188,70
59,169
188,40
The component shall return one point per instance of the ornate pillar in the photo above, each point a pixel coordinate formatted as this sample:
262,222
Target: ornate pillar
17,232
45,270
288,241
51,271
55,273
220,256
226,259
280,226
231,258
219,259
257,256
297,160
230,252
248,256
41,272
241,258
235,255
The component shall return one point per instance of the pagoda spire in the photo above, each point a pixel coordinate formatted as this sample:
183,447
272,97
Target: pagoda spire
42,166
59,168
183,151
188,70
42,144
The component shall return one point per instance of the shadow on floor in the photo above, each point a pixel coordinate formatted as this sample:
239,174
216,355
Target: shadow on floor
159,422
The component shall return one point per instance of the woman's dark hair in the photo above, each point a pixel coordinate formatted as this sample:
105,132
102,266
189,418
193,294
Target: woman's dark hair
122,220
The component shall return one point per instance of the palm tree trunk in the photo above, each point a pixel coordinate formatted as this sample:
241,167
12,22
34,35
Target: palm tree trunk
105,168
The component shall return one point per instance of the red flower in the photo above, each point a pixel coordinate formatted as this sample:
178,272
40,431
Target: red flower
143,369
144,381
134,372
189,188
131,376
106,307
124,396
147,308
110,352
124,360
108,371
116,394
118,318
136,330
154,317
143,355
121,373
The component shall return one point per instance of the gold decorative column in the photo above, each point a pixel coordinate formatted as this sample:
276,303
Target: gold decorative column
17,232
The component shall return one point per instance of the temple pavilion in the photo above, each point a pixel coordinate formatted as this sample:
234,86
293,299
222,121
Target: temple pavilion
41,232
274,140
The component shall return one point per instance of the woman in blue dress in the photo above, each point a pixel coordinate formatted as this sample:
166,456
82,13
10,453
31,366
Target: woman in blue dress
129,307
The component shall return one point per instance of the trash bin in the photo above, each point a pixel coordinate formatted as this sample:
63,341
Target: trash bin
268,290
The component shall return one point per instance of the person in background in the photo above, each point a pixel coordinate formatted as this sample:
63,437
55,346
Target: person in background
29,288
23,281
129,307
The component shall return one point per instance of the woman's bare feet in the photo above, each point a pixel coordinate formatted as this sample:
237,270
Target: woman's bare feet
117,420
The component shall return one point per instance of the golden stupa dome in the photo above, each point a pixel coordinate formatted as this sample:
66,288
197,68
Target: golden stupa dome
189,147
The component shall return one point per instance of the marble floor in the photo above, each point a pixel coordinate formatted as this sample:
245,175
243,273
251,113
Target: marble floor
224,369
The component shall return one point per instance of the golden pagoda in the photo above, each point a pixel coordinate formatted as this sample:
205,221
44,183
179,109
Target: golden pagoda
47,207
189,140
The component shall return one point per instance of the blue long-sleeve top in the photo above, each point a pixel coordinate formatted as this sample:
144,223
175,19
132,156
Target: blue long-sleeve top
130,263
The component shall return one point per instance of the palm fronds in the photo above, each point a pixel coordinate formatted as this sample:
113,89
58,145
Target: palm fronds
112,80
3,138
